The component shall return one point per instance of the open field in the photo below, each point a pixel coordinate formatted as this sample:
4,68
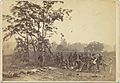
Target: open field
31,73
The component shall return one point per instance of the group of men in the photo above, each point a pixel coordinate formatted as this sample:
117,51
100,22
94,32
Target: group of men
80,61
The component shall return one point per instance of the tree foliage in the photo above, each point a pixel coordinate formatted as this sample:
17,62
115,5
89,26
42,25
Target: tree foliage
33,24
94,47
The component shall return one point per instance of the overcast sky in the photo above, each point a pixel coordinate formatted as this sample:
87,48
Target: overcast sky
92,20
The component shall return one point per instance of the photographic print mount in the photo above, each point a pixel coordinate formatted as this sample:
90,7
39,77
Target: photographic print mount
46,40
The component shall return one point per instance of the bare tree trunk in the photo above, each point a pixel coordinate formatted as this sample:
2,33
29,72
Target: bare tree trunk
43,46
27,47
34,50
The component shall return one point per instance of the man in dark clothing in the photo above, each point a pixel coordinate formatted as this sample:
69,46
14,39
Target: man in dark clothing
40,58
61,59
70,60
99,61
58,59
75,56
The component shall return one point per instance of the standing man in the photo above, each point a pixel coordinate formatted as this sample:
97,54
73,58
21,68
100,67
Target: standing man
61,59
75,59
40,59
70,60
58,59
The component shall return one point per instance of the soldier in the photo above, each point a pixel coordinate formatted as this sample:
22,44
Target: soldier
40,59
61,56
75,56
76,61
70,60
80,56
57,59
88,62
65,64
99,61
61,59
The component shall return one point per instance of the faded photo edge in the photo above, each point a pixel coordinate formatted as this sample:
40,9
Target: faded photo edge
117,41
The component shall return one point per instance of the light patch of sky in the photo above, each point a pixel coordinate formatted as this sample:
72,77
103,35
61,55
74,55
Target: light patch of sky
92,20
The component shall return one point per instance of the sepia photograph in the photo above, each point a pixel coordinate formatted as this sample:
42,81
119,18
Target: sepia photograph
59,40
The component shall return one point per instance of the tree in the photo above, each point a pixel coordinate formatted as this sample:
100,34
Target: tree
33,24
94,47
62,46
53,46
76,47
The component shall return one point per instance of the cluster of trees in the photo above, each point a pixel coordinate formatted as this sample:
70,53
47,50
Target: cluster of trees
78,47
32,25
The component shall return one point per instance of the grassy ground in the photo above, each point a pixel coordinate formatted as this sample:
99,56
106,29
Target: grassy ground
58,74
61,75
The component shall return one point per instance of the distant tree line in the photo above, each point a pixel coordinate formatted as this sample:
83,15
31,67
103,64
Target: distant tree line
78,47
